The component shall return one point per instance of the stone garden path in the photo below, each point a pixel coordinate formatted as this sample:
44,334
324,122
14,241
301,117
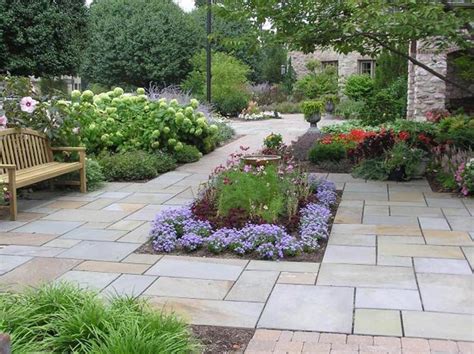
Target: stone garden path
399,262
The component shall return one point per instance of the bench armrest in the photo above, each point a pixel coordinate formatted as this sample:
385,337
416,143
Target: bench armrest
8,166
69,148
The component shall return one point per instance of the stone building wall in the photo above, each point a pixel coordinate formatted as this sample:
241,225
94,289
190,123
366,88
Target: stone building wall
425,91
348,64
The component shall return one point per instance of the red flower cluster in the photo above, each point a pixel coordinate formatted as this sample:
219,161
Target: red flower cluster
355,136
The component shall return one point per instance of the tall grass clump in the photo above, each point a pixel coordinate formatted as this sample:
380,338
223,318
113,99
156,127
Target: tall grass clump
62,318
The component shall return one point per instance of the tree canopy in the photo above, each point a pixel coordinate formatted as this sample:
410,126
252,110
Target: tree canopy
42,37
135,42
365,26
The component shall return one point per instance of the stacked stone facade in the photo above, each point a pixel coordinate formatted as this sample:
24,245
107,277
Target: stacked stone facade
348,64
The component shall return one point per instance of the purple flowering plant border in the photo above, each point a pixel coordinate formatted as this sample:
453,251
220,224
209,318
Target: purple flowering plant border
178,229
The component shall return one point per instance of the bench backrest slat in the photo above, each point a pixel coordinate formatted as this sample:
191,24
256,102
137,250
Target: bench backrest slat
23,148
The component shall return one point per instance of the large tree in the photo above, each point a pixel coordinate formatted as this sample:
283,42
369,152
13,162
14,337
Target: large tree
365,26
135,42
42,37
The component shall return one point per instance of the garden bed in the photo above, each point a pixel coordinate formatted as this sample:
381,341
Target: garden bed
222,339
271,211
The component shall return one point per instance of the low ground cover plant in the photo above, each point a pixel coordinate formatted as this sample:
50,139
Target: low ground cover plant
135,165
61,318
270,212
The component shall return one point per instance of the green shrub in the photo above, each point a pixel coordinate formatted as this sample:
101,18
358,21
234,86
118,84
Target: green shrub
458,130
359,87
350,109
229,82
317,83
371,169
187,154
94,174
327,152
225,132
61,318
135,165
386,104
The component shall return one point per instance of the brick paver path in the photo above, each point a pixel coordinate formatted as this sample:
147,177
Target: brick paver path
398,264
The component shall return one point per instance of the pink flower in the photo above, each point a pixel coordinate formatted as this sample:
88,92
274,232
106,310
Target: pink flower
3,122
27,104
247,168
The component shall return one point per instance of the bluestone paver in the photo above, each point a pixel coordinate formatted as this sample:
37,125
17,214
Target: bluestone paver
377,322
93,234
202,268
8,263
253,285
100,251
190,288
442,266
88,280
349,254
129,285
309,308
399,299
49,227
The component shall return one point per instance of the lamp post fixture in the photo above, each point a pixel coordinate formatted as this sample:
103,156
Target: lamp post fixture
208,52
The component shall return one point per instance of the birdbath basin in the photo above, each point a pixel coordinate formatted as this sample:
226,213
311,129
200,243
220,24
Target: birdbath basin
261,160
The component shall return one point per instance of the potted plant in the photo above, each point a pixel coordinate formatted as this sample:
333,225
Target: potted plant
330,102
312,112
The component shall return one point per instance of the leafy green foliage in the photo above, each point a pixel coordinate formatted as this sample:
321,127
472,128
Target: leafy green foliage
229,82
187,154
135,42
135,165
371,169
458,130
94,174
61,318
224,133
116,122
390,67
310,108
317,83
359,87
386,104
31,42
261,195
327,152
350,109
405,159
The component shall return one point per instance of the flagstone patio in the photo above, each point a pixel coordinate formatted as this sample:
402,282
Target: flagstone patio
399,260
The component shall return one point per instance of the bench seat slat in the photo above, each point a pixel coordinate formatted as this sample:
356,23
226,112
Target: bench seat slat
43,172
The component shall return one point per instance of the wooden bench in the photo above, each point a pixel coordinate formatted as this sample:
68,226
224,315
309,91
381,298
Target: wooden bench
26,157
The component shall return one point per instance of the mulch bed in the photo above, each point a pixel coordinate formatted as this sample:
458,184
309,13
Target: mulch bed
317,256
435,185
222,339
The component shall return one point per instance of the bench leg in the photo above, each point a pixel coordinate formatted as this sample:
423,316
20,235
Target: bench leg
12,191
82,172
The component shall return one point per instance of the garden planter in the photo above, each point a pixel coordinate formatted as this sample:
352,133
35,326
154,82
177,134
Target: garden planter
261,160
329,109
313,121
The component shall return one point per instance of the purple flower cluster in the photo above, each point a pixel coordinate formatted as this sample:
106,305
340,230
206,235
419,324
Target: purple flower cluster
314,225
325,190
175,227
179,228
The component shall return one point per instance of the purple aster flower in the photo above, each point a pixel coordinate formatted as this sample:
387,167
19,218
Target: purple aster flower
190,242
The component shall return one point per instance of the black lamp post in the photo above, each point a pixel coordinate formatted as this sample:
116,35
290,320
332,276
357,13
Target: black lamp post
208,50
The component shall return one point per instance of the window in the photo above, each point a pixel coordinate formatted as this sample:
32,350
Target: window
367,67
325,64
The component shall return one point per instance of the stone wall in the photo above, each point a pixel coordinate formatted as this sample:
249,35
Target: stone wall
425,91
347,63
